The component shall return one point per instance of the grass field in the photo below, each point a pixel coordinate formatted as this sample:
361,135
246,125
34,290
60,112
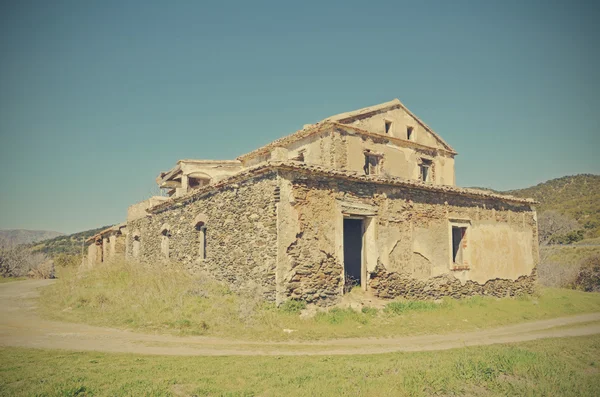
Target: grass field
169,301
549,367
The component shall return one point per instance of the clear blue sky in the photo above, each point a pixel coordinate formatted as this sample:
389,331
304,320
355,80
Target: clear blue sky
98,97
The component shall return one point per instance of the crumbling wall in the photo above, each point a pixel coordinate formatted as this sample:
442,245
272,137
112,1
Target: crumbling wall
308,268
412,240
240,232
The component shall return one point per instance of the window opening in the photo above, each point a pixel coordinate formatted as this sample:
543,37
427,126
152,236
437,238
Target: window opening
388,127
425,170
372,164
458,244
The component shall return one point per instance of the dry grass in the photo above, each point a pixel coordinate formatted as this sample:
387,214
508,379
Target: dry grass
168,300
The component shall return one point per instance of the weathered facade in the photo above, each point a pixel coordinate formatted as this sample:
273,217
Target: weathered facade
365,198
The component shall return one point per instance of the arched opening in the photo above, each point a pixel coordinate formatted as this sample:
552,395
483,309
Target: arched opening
136,245
200,227
164,240
197,180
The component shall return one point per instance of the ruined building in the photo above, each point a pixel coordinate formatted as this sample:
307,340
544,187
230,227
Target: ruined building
361,199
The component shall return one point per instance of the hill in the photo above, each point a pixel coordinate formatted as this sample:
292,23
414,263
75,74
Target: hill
11,238
577,196
70,244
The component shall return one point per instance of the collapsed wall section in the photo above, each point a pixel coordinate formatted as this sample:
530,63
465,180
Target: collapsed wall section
229,232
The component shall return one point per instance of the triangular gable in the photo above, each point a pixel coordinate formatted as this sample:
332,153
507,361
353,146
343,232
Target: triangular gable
370,111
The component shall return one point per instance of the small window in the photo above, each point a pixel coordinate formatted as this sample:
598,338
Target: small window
459,243
409,133
388,127
425,170
372,164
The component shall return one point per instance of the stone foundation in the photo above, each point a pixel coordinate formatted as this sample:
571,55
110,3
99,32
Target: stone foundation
392,285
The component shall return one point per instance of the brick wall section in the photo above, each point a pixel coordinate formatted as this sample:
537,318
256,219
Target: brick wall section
241,235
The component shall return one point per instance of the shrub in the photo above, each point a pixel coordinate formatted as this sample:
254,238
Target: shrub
43,270
292,306
369,311
67,260
554,274
588,278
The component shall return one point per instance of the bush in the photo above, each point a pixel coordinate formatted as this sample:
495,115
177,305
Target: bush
568,238
67,260
588,278
557,275
369,311
292,306
43,270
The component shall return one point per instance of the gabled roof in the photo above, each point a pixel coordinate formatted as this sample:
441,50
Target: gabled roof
342,119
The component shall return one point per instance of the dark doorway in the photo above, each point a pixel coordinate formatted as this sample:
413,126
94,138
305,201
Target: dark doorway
353,238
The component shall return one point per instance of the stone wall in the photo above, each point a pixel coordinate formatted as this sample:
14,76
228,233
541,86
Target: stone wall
241,237
408,241
386,284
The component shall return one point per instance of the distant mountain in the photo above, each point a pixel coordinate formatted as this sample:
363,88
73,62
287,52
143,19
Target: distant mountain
577,196
11,238
71,244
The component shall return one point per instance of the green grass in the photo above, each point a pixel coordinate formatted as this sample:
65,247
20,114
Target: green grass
11,279
549,367
127,296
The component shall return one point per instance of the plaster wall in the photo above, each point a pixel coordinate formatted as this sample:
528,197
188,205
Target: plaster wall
398,161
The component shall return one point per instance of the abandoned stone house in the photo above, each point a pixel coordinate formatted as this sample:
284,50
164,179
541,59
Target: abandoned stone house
361,199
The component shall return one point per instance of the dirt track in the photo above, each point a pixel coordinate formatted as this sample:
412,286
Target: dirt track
21,326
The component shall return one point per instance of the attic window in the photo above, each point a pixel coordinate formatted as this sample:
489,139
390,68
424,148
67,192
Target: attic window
409,133
388,127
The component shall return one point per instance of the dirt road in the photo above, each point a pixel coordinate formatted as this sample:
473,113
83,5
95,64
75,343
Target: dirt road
21,326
